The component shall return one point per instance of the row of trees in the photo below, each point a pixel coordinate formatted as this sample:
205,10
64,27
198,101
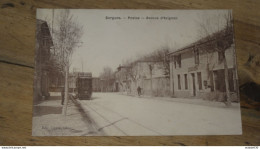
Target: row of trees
66,33
107,77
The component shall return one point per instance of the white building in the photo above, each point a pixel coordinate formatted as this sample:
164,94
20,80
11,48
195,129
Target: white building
150,76
198,69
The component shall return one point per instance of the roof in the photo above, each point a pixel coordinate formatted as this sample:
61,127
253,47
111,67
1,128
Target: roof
84,74
119,67
42,27
84,77
202,41
148,61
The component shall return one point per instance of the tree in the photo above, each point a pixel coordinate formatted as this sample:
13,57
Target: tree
108,77
132,72
66,38
160,55
224,39
151,66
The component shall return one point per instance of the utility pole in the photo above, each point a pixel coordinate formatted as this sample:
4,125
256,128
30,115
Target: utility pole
82,63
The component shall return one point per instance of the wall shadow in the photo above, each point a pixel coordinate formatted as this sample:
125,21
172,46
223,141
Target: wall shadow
45,110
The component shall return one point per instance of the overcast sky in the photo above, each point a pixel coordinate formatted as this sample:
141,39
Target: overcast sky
108,42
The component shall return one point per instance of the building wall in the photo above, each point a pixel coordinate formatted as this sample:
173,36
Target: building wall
122,79
143,70
42,56
160,86
96,84
208,64
144,79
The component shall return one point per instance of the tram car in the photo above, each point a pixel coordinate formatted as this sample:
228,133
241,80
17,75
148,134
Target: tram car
84,86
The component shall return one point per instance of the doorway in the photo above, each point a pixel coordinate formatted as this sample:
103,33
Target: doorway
193,84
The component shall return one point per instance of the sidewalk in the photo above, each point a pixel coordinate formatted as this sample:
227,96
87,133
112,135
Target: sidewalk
196,101
49,121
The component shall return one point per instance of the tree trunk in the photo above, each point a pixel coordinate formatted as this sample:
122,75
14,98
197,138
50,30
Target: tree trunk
151,76
66,99
228,102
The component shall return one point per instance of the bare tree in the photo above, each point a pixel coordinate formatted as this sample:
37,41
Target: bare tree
108,77
224,40
151,66
66,39
160,55
132,72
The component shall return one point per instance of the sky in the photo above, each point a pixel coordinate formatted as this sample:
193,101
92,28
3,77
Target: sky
109,42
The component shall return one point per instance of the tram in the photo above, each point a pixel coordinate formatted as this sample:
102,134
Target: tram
84,86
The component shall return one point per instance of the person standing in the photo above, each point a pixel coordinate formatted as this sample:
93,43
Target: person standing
139,90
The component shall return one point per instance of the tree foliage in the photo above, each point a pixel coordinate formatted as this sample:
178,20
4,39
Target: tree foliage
67,37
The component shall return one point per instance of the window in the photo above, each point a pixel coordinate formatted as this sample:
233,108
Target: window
179,82
196,56
179,60
199,80
186,81
175,59
221,55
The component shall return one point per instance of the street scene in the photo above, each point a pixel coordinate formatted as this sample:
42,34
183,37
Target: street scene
115,114
135,73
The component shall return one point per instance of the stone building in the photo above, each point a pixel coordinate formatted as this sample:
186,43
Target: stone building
149,75
42,55
96,84
197,70
122,82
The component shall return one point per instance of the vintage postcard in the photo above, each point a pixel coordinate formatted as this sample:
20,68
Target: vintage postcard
135,73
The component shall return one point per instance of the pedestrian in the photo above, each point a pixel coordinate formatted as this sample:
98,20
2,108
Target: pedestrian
139,90
62,95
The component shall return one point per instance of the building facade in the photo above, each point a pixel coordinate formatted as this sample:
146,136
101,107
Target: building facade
96,84
122,81
148,75
198,70
42,56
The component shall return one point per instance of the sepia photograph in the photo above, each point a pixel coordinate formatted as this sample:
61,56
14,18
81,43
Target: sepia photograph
102,72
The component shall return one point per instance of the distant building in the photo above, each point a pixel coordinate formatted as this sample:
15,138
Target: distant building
198,70
107,85
149,75
72,81
43,45
96,84
122,83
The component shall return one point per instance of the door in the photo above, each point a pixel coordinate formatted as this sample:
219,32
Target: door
193,84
